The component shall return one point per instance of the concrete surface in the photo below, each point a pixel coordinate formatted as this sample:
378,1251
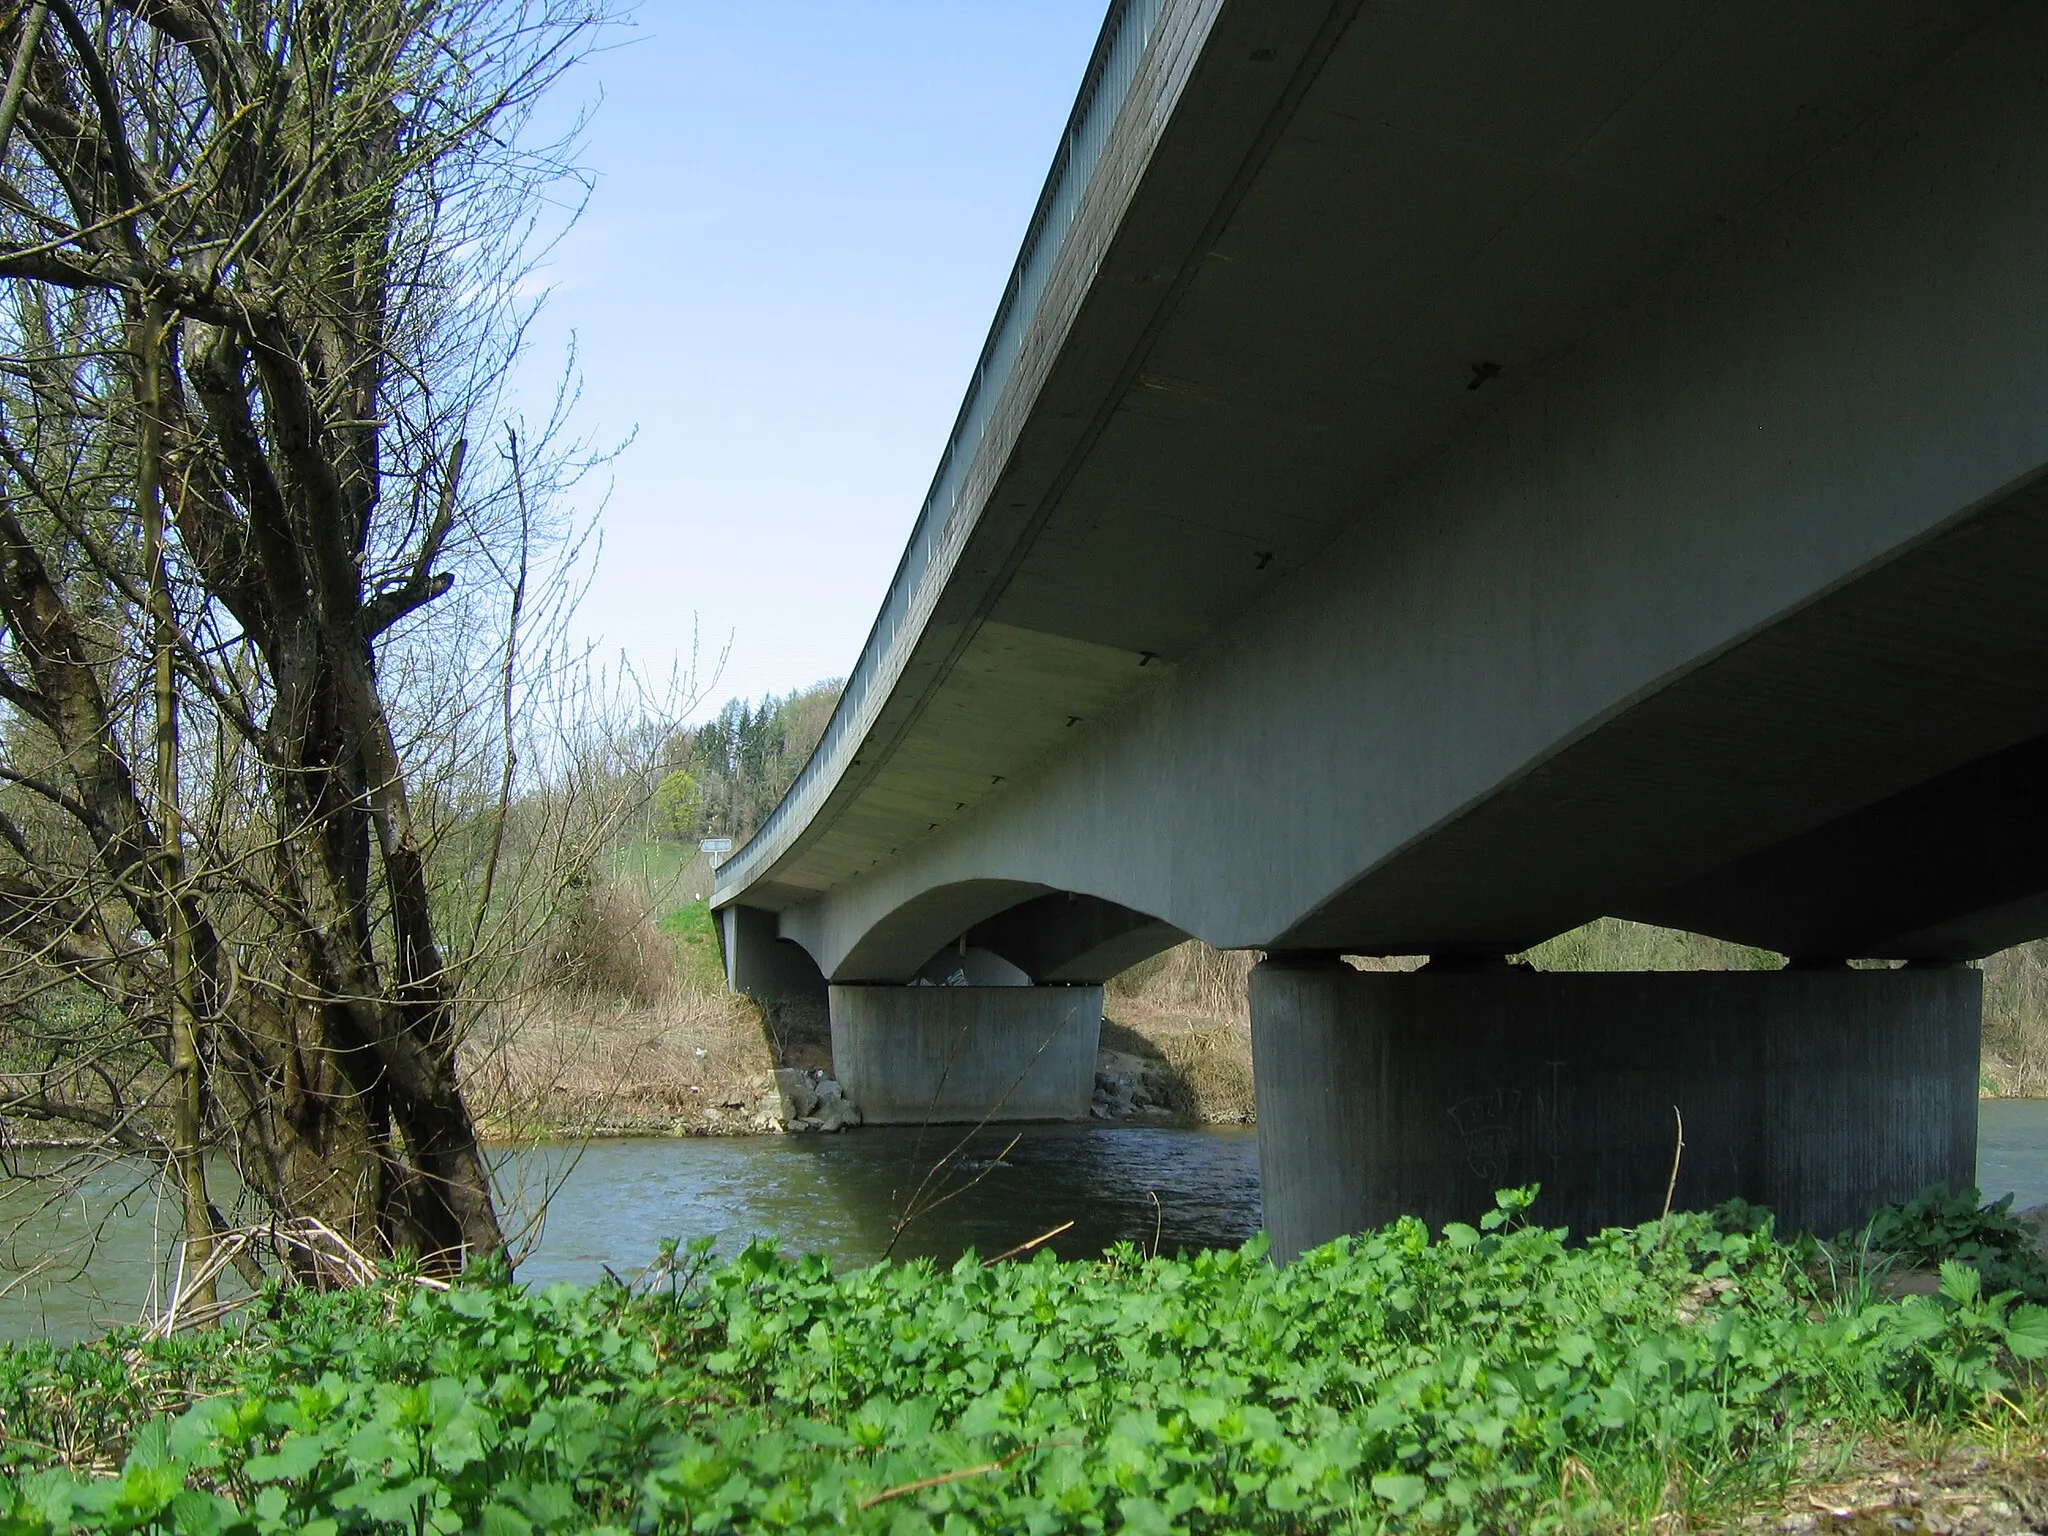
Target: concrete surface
1470,470
1717,605
906,1055
762,964
1821,1094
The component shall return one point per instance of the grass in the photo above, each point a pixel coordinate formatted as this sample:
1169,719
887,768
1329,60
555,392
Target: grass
2016,1021
657,862
1615,944
690,927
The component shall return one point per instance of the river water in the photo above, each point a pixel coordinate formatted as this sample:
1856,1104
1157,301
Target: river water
608,1204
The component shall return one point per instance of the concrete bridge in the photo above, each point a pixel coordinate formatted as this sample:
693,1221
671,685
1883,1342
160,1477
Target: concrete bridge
1440,474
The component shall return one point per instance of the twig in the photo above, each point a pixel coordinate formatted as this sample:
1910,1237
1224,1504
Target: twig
1677,1152
1026,1247
953,1477
924,1126
199,1317
916,1210
912,1210
334,1258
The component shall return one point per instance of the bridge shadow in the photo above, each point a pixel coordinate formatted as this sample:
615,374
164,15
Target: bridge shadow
1161,1080
798,1033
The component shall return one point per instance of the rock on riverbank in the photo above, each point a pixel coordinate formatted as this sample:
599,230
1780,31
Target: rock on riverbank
1129,1087
793,1099
812,1101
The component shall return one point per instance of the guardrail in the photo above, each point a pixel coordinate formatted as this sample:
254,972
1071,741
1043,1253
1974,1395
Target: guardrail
1111,69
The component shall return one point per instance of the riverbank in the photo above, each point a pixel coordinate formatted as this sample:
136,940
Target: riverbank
1688,1374
697,1062
648,1043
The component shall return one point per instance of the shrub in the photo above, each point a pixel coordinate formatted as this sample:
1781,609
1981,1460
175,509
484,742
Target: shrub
602,944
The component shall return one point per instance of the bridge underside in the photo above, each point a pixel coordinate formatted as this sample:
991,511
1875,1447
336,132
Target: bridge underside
1430,529
1871,761
1860,779
1725,615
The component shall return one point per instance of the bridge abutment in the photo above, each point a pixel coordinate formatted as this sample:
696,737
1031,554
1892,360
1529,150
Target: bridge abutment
907,1055
1819,1093
761,964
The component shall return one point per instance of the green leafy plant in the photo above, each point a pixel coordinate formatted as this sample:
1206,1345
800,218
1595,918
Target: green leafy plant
678,802
1488,1378
1964,1339
1936,1226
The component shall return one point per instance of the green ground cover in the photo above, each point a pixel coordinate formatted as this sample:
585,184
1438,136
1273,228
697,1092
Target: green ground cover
690,925
692,920
1483,1380
657,861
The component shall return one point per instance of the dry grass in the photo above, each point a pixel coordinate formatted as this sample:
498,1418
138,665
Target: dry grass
1188,1008
1213,1068
2016,1021
627,1031
603,944
1201,1069
1989,1480
1192,980
558,1065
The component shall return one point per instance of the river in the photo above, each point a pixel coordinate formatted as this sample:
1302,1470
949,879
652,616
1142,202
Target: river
610,1203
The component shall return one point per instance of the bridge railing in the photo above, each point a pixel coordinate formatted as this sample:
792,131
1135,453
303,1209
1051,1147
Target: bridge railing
1111,69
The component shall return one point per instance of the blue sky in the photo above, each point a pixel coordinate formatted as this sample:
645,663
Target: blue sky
803,217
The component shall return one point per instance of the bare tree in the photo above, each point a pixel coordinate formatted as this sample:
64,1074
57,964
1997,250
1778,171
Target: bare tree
265,546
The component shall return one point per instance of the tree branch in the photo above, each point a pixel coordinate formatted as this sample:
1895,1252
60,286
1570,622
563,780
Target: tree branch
423,585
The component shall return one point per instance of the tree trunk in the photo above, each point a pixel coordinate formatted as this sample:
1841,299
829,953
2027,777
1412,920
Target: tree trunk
241,259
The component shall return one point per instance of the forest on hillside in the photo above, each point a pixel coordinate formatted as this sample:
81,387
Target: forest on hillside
724,777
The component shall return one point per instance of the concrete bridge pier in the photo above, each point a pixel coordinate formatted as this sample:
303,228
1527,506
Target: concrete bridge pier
907,1055
1821,1093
